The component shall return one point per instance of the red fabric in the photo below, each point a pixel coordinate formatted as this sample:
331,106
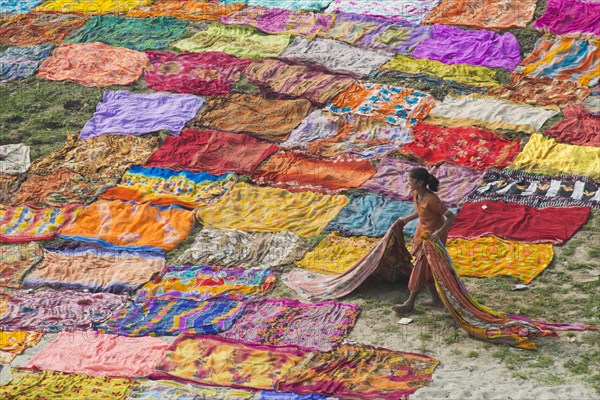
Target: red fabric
518,222
211,151
469,146
579,127
197,73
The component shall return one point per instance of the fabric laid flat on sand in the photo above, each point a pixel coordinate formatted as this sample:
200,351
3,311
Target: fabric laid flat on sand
233,248
14,158
209,73
411,10
153,112
23,224
264,209
517,222
93,7
211,151
39,28
185,10
546,156
308,5
570,16
22,62
16,260
579,127
486,14
166,389
14,343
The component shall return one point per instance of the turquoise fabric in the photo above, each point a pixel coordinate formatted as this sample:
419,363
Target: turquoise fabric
314,5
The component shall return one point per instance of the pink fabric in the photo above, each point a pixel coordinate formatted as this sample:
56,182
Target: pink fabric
579,127
571,16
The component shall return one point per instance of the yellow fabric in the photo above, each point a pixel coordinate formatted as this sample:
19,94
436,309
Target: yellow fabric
13,343
491,256
93,7
336,254
546,156
264,209
462,73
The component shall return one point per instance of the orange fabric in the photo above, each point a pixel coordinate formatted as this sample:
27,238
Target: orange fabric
186,10
37,28
488,14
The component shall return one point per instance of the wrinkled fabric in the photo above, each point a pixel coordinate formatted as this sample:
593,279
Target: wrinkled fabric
490,256
16,260
486,14
209,73
468,146
489,113
546,156
309,5
264,209
592,103
564,59
233,248
15,343
296,172
319,124
520,223
93,64
297,80
278,322
453,45
411,10
95,270
215,152
153,112
18,7
185,10
22,62
39,28
570,16
579,127
336,57
165,389
52,311
272,120
100,355
391,179
14,158
281,21
271,395
240,41
93,7
23,224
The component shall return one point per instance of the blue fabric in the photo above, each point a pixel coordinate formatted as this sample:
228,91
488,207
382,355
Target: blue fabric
315,5
17,7
265,395
22,62
164,173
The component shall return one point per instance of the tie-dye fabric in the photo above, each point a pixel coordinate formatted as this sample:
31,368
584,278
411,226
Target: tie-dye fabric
93,7
18,7
490,256
320,326
52,311
411,10
264,209
185,10
39,28
565,59
232,248
22,62
126,225
14,343
570,16
14,158
309,5
453,45
16,260
579,127
486,14
165,389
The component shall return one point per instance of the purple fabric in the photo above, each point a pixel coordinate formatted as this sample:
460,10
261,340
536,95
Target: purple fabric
570,16
453,45
125,113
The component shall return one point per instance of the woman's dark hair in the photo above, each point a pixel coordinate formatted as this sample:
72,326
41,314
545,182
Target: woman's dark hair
421,174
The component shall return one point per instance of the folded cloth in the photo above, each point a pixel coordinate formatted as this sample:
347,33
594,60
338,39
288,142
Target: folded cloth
14,158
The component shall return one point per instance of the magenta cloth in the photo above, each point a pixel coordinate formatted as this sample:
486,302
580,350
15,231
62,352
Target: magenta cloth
570,16
391,179
126,113
517,222
453,45
206,73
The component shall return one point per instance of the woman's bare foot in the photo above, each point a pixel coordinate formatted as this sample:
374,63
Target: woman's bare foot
433,303
403,308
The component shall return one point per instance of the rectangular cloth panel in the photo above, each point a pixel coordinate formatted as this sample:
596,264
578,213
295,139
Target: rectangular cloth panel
211,151
52,311
14,158
541,91
347,60
282,21
200,283
546,156
22,62
462,73
16,260
565,59
296,172
394,105
392,176
153,112
166,389
309,5
264,209
227,362
453,45
126,225
164,187
39,28
51,384
570,16
185,10
518,222
240,41
538,190
233,248
264,118
468,146
490,113
486,14
319,124
490,256
208,73
23,224
93,64
93,7
297,80
411,10
100,355
319,327
95,269
14,343
578,127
